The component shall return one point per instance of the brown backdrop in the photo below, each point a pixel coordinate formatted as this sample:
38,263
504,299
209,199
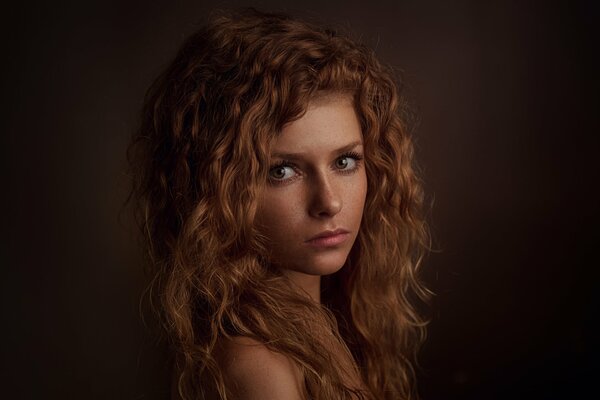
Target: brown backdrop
508,143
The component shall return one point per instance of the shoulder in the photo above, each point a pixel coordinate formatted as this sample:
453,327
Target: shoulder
253,371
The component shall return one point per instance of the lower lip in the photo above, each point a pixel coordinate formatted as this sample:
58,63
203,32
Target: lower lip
329,241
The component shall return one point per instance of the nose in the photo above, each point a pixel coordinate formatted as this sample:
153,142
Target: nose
326,201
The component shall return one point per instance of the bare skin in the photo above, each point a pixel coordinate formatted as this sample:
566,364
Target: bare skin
253,372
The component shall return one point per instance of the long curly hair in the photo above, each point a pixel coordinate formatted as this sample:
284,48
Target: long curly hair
200,160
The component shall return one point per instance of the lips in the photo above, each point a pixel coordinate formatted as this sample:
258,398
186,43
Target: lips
328,238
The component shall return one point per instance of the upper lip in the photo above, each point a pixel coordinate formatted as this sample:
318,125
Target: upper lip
328,233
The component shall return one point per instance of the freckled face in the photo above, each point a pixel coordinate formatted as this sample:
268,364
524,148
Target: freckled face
317,187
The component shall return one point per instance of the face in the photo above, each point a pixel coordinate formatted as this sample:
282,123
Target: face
312,206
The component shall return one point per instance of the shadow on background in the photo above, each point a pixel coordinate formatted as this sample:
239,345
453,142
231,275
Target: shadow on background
508,142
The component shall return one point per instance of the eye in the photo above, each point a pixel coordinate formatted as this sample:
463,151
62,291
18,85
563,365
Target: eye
348,162
281,172
344,162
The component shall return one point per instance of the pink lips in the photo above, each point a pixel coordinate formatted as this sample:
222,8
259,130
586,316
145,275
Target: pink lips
328,238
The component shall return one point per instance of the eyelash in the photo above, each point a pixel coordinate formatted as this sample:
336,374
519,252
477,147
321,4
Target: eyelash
285,163
357,159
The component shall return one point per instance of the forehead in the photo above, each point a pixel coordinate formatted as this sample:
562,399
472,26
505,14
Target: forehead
330,122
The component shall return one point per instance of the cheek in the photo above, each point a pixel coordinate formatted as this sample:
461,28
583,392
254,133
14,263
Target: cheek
276,213
357,194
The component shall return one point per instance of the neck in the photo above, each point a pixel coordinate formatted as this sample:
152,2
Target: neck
309,284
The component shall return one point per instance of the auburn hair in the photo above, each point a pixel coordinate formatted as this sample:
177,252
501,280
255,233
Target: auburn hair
200,159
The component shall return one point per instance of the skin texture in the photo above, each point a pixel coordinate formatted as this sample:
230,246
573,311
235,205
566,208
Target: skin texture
253,372
320,188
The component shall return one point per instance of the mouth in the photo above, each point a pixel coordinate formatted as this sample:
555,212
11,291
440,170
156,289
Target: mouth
328,238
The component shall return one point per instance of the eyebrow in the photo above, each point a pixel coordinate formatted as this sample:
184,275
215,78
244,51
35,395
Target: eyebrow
296,156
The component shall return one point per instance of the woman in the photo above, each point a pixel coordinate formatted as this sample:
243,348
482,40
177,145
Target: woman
282,215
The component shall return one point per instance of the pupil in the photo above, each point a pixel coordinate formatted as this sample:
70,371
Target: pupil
279,172
342,162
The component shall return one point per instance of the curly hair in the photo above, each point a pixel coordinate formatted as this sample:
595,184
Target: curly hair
200,159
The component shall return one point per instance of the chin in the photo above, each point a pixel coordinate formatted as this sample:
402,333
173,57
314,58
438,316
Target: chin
324,264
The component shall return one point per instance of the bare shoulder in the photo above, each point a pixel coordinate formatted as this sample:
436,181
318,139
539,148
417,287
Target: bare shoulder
253,371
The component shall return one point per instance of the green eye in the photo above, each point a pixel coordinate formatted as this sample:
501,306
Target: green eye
346,163
342,163
281,172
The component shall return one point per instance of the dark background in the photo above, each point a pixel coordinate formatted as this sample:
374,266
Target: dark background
508,147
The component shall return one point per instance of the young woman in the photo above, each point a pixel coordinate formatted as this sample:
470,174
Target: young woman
282,214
